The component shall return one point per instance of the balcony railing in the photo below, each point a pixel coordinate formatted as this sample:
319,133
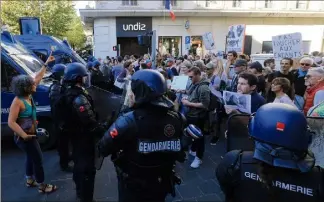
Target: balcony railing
236,3
268,4
302,5
173,3
129,3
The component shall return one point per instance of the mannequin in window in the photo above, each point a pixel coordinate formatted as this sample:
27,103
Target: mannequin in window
199,51
162,49
173,51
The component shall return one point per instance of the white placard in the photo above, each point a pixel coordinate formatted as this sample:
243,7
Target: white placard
241,102
287,46
179,82
235,38
208,41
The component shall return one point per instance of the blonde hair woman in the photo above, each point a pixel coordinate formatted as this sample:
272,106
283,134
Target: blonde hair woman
216,84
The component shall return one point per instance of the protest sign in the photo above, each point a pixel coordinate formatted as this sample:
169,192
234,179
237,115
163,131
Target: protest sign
287,46
241,102
208,41
235,38
179,82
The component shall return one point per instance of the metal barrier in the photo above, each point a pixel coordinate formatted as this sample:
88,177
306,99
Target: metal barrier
316,125
237,134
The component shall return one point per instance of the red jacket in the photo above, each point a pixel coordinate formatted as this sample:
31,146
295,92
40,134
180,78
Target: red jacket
310,94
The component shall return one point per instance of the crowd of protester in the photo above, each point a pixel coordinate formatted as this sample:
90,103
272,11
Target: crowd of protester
301,87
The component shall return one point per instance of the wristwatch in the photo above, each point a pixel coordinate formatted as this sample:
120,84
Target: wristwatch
46,65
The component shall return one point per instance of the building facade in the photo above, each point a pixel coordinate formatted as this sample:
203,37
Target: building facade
120,22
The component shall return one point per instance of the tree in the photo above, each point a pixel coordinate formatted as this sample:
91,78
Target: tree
75,35
58,18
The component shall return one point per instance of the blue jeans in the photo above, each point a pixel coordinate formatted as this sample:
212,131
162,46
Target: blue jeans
34,160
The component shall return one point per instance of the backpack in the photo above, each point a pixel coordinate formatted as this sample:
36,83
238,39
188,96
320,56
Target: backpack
213,99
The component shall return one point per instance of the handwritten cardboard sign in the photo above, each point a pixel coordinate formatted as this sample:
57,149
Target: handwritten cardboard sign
235,38
287,45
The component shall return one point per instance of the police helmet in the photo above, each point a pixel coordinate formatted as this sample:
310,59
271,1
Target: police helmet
193,131
96,64
75,70
89,65
58,70
281,125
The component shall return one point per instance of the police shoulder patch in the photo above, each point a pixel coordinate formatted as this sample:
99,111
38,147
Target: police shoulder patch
169,130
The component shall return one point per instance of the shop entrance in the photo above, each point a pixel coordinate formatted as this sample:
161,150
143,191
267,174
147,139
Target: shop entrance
130,46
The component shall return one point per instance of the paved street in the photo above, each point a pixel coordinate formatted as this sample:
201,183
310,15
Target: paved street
197,185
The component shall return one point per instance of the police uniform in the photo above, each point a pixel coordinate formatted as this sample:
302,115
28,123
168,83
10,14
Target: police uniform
63,139
280,168
145,143
56,92
240,179
81,123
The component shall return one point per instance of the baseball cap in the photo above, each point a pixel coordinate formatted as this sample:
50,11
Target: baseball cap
240,62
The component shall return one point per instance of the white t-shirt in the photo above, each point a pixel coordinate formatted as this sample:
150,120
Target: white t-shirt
284,99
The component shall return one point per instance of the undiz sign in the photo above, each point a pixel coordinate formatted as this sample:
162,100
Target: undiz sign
132,27
136,27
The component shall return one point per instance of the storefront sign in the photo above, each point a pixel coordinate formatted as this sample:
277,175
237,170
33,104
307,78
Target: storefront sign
132,27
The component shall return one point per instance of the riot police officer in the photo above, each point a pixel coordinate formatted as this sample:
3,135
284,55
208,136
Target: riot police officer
146,142
280,168
55,95
81,122
97,77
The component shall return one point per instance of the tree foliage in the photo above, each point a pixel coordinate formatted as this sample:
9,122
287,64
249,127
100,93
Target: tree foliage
75,34
58,18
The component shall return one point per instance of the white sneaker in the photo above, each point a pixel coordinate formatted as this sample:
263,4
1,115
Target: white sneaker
192,153
196,163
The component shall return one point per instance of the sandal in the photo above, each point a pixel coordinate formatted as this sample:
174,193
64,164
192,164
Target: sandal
31,183
47,188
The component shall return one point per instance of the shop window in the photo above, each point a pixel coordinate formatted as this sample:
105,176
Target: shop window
129,2
196,46
7,74
173,2
170,45
237,3
267,46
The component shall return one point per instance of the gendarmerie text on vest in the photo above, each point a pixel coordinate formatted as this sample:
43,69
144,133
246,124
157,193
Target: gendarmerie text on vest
148,147
282,185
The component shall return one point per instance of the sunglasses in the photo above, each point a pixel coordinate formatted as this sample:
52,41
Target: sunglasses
304,64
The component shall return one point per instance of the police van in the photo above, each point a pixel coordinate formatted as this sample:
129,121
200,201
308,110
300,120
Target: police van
17,60
42,45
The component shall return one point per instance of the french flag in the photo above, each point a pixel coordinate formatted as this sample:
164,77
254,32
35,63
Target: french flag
168,6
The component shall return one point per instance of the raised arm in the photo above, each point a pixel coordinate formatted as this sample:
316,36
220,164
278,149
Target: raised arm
41,72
